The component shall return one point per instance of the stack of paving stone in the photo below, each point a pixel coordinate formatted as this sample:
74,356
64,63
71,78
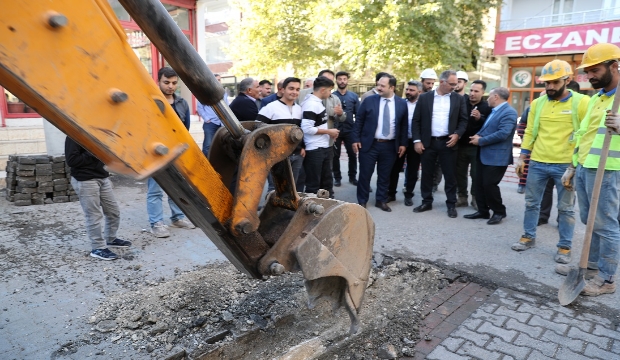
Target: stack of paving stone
38,180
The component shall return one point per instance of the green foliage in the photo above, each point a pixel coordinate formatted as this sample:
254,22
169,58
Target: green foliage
358,35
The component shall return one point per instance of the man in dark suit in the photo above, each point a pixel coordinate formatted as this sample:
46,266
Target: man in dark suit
494,141
439,120
379,136
244,106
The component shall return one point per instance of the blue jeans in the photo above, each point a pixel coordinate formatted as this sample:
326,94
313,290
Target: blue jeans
97,200
297,162
209,129
606,231
155,207
537,177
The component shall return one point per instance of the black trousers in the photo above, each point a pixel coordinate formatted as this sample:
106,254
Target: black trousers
411,173
318,169
348,145
437,150
488,194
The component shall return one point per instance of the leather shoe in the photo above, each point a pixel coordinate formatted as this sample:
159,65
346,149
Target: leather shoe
383,206
542,222
496,219
353,181
408,202
452,213
477,215
423,208
337,182
391,198
363,205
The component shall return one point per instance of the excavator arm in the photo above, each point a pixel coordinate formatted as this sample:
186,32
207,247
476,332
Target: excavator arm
70,61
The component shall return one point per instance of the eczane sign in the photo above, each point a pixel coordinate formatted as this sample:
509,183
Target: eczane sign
556,39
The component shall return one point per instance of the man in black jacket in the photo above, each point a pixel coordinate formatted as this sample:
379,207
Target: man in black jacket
439,120
94,188
477,110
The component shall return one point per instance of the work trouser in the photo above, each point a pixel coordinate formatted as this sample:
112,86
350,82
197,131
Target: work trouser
537,177
605,244
97,200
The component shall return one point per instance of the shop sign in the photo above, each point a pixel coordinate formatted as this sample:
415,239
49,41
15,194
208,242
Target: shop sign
521,78
575,38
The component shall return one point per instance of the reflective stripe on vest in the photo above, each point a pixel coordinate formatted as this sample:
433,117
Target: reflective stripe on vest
583,127
594,155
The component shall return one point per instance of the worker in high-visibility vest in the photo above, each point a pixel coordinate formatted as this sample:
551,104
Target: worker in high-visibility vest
549,140
600,63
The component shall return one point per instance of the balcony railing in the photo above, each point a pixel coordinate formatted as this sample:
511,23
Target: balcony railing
574,18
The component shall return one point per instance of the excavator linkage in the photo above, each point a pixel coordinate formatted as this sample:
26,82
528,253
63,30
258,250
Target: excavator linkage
70,61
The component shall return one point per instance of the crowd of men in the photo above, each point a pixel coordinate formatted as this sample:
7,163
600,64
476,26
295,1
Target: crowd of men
436,127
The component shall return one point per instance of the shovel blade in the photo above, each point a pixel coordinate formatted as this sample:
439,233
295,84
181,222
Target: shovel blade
572,286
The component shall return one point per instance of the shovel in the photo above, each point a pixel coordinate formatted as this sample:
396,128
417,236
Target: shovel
575,280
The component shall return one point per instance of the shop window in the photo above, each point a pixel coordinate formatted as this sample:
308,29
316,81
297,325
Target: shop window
538,83
179,15
141,46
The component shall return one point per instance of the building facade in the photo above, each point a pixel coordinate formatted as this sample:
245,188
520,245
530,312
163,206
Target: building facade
532,32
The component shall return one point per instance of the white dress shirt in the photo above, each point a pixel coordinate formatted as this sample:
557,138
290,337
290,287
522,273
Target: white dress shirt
441,115
392,107
410,110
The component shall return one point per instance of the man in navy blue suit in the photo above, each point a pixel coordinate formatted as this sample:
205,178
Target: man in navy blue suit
494,141
380,137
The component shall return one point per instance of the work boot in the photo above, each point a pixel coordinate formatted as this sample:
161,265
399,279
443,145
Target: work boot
524,243
461,202
474,204
597,286
562,256
563,269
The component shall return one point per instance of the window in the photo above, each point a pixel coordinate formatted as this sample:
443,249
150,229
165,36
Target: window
562,11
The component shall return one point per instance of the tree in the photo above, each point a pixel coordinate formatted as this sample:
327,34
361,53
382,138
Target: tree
402,37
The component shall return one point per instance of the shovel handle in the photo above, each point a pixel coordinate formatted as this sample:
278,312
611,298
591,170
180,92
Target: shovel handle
596,190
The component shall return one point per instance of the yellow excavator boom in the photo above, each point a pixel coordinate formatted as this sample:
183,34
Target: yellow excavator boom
70,61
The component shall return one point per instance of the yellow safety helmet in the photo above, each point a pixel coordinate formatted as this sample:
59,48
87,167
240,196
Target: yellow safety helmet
599,53
556,69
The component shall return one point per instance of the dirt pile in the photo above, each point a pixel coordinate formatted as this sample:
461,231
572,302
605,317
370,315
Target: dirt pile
218,312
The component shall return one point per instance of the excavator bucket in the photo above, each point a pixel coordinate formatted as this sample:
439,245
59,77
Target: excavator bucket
329,241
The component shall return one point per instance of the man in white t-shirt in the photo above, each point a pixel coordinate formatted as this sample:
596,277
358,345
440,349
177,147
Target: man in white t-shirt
286,111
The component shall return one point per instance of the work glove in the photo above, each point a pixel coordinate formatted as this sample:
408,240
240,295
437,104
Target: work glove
567,178
520,167
612,121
